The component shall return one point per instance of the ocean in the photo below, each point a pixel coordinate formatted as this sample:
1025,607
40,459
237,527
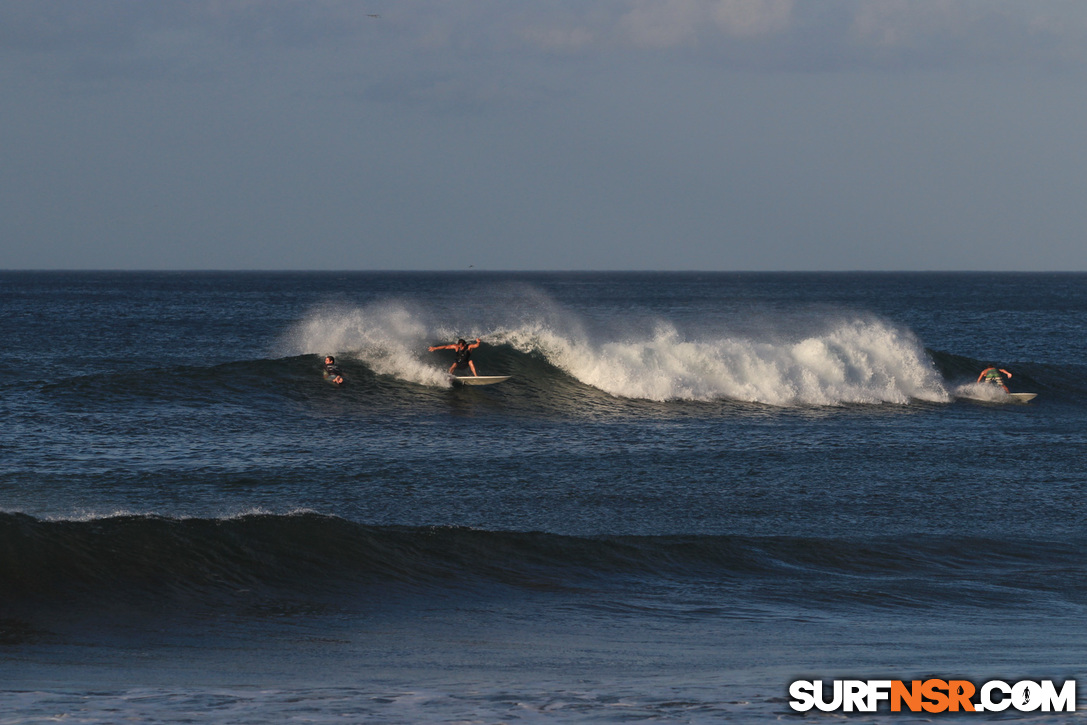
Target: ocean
695,489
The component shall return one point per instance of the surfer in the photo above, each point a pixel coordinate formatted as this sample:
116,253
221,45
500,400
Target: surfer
332,373
464,355
993,376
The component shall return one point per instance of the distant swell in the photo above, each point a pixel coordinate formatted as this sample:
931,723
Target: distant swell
231,561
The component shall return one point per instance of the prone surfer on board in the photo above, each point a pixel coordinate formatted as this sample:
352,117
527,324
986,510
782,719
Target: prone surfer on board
993,377
332,373
464,355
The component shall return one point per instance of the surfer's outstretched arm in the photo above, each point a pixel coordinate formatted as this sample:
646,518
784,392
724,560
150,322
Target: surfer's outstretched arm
441,347
474,345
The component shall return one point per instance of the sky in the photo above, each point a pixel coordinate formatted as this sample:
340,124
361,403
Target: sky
727,135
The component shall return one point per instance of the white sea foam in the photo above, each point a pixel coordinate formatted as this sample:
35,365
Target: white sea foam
83,515
981,391
830,360
537,702
850,361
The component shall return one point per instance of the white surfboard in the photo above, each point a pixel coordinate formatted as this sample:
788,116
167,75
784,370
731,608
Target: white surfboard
1022,397
478,379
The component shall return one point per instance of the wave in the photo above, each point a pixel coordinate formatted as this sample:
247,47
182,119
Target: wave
146,560
835,360
560,360
1057,383
554,375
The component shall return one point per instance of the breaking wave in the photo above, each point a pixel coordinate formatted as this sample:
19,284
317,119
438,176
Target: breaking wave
834,359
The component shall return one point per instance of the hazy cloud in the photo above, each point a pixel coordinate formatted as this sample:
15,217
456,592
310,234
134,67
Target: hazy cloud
670,23
741,18
971,31
856,32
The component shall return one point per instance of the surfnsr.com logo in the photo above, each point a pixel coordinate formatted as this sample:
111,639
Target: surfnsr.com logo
933,696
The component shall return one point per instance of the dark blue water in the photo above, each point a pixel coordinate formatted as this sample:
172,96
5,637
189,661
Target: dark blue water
694,489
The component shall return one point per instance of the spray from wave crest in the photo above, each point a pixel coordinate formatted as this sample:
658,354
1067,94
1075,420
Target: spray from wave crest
856,361
385,336
985,392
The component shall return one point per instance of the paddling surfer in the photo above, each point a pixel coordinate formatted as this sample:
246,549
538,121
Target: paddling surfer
464,356
332,373
993,376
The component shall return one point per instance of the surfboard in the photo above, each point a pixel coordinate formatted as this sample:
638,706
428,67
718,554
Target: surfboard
478,379
1022,397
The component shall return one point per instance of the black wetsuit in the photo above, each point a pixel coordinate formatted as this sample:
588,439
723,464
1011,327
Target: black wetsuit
332,372
463,356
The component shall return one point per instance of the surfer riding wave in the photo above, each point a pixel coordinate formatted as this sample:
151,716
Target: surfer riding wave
464,356
993,376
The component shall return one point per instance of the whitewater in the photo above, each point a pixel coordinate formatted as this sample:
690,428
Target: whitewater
836,360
